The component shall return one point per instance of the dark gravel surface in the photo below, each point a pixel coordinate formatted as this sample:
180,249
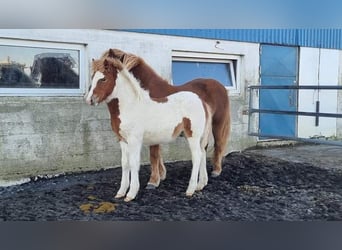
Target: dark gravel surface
251,188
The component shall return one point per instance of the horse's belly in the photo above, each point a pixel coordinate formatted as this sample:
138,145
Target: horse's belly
157,137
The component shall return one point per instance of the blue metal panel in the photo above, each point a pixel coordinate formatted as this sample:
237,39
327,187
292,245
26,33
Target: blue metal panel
278,67
320,38
278,61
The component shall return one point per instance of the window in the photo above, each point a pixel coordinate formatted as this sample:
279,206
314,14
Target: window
40,68
190,65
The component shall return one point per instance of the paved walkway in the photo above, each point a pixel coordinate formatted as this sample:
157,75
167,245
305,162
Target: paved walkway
324,156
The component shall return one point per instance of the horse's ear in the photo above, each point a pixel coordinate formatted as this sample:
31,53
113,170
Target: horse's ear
106,64
116,53
111,53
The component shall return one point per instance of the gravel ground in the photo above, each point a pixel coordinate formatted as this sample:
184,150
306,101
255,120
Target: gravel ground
252,187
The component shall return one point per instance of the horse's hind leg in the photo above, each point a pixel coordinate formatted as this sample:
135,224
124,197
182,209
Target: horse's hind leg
158,170
221,131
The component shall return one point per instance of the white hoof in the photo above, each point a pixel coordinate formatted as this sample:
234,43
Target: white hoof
128,199
189,194
118,196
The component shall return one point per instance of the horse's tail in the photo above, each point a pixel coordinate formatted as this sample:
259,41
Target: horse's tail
227,123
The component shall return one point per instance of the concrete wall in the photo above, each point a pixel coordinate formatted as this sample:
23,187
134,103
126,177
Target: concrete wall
41,135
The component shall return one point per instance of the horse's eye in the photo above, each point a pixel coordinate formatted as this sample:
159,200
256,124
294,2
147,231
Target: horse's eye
102,80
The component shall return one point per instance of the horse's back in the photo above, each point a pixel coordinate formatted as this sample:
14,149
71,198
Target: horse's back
209,90
162,119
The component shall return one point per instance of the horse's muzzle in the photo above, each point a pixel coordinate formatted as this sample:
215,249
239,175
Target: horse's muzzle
93,100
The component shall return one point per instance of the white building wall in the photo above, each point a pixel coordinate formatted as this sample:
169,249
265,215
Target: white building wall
318,67
51,135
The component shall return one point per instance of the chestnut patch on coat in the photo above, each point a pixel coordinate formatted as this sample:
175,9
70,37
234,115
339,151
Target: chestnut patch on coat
184,126
160,99
114,111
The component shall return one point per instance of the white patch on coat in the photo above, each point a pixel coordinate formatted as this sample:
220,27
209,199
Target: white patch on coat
97,76
155,121
127,80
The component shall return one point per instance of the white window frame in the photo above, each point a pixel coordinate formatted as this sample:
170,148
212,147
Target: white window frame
187,56
48,91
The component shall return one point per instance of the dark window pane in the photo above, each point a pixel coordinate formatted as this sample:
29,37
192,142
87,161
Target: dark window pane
31,67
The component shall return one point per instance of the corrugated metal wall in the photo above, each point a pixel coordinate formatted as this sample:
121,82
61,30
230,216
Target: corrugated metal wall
319,38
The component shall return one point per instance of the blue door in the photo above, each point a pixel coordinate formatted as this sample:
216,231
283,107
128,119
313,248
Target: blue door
279,66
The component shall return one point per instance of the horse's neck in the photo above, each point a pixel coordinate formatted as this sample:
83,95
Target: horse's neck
151,81
128,91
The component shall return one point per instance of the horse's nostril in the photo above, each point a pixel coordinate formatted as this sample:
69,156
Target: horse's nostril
94,100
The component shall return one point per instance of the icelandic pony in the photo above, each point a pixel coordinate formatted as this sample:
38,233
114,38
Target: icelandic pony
209,90
150,121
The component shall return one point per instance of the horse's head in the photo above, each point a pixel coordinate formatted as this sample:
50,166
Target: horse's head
103,80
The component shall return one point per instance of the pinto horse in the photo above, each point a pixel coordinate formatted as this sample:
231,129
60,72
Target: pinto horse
210,91
149,121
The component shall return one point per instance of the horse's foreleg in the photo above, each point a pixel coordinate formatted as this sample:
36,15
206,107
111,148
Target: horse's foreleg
196,154
134,162
125,171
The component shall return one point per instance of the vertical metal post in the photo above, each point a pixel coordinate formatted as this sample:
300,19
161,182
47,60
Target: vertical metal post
317,116
249,110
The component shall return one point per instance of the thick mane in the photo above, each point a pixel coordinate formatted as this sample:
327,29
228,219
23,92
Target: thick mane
114,53
140,69
124,72
131,61
98,65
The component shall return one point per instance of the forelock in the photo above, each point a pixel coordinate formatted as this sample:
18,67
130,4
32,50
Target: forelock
113,53
98,65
